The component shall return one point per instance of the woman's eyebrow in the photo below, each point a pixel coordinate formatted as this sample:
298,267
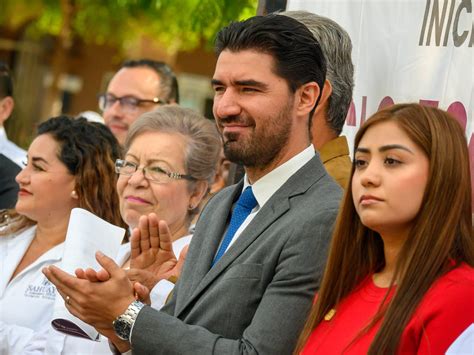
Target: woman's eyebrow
394,146
384,148
362,150
39,159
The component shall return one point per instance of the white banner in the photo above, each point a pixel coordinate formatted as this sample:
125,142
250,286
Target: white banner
407,51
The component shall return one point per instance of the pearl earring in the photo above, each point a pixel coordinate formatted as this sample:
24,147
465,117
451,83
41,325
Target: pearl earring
74,194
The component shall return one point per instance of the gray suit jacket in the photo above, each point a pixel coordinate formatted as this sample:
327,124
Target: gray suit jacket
256,298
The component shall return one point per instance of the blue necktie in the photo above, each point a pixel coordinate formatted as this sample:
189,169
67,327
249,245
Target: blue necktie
245,204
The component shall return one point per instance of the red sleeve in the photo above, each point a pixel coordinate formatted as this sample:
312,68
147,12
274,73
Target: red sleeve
444,313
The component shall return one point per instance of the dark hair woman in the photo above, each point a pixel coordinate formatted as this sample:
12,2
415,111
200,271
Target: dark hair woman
70,164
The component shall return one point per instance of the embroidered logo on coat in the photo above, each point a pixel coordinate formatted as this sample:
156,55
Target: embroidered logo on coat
45,290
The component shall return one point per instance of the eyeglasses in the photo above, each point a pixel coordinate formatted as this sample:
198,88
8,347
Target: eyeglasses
152,173
128,103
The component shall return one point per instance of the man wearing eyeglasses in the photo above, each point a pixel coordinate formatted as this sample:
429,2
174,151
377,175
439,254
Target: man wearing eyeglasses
138,87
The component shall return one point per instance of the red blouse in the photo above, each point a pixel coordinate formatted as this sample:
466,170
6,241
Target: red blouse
445,311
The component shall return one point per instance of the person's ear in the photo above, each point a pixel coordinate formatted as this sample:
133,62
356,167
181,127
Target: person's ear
6,108
306,96
198,193
323,101
74,195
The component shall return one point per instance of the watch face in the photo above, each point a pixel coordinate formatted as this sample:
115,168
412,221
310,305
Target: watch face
123,324
122,329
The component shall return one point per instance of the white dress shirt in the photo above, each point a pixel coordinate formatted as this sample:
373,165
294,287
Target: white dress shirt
266,186
11,150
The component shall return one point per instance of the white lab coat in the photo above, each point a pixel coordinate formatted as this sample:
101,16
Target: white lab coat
26,302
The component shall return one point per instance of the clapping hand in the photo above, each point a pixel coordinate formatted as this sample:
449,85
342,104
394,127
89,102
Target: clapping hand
143,293
152,256
96,303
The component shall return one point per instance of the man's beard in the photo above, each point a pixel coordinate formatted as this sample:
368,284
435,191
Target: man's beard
259,151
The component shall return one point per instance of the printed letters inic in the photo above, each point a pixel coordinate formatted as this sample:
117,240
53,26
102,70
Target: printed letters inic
435,18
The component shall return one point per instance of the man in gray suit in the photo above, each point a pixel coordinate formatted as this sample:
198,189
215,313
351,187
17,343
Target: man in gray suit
259,248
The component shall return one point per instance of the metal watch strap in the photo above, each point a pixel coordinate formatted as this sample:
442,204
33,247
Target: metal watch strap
123,324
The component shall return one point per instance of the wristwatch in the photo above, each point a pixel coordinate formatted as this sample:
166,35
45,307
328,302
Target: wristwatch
123,324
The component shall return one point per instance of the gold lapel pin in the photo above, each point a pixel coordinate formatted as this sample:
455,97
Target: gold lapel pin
330,314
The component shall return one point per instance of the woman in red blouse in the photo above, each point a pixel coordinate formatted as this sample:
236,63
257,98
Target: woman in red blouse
400,276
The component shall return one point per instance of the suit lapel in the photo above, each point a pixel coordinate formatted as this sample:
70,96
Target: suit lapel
201,259
275,207
258,225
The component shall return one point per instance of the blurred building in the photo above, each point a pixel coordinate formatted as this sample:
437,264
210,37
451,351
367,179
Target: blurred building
85,71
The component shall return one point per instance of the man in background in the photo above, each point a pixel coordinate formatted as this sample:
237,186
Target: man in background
11,156
330,115
138,87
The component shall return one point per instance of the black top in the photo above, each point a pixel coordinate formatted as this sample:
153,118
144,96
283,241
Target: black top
8,186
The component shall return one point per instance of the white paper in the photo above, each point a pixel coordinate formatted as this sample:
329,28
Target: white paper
464,344
86,234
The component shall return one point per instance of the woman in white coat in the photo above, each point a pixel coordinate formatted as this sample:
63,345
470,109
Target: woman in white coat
70,164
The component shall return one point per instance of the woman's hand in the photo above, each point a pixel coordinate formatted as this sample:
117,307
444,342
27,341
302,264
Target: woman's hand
143,293
152,258
90,300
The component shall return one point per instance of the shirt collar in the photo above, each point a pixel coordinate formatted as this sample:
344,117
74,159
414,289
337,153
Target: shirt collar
267,185
3,137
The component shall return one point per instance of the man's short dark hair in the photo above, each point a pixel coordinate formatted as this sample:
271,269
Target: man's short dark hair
6,82
168,82
297,54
